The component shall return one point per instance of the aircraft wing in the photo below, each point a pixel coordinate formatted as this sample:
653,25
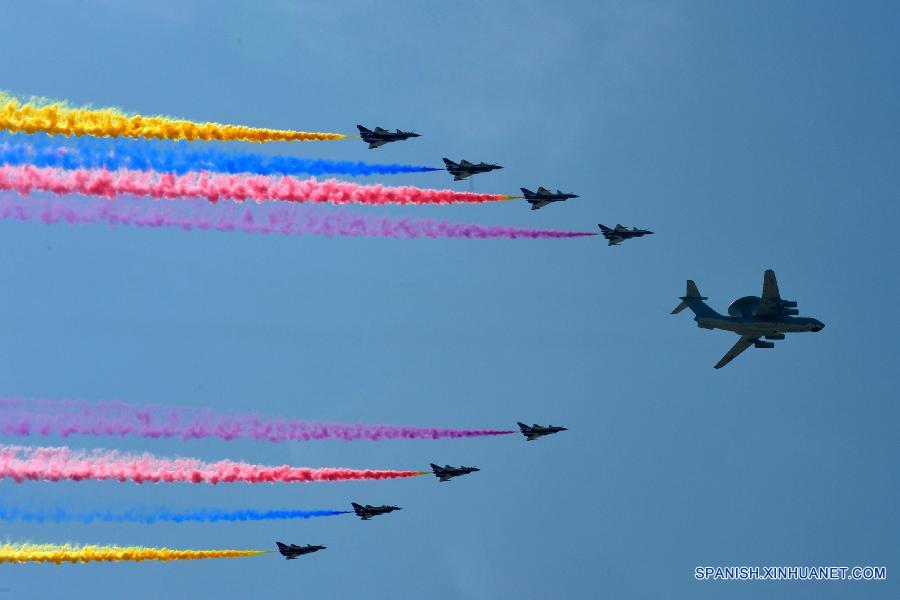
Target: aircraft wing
770,301
377,143
459,175
742,344
536,204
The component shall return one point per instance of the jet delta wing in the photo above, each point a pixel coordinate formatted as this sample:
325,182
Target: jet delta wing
536,431
293,551
619,234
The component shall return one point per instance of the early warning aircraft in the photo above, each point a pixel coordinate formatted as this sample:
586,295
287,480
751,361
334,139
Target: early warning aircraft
293,551
543,197
380,136
751,317
466,169
619,234
536,431
367,512
446,473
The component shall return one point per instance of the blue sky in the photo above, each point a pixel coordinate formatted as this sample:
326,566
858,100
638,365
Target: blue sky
747,135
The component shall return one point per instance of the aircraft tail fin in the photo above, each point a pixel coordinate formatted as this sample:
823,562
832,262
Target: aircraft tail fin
356,506
363,129
450,164
693,300
526,192
522,427
603,228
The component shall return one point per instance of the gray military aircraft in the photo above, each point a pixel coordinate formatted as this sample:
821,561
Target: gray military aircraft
466,169
619,234
446,473
543,197
380,136
367,512
751,317
293,551
536,431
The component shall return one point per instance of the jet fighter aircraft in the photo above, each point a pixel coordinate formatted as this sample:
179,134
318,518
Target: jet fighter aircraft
367,512
536,431
446,473
543,197
380,136
466,169
619,234
293,551
751,317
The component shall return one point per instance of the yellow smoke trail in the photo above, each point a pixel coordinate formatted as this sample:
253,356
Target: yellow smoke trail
45,553
59,119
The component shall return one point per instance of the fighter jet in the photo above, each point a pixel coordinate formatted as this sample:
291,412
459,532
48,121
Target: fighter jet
466,169
446,473
368,511
543,197
536,431
619,234
751,317
293,551
380,136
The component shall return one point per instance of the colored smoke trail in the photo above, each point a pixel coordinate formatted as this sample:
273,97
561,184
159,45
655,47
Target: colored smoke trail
65,553
23,463
17,116
74,417
239,188
179,158
291,220
149,517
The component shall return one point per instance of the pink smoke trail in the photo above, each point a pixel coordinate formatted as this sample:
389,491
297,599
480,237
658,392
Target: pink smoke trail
282,220
26,179
24,417
24,463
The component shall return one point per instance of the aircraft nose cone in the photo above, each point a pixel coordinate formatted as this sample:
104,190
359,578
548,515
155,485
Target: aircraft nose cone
819,327
414,135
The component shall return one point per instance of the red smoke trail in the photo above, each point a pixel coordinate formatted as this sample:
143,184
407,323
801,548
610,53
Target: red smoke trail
214,187
23,463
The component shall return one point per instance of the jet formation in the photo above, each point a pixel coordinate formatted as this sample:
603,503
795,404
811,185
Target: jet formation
446,473
536,431
543,197
619,234
379,137
465,169
751,317
294,551
368,511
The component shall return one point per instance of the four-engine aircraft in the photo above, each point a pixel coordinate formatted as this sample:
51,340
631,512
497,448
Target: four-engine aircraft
536,431
446,473
466,169
543,197
380,136
293,551
368,511
619,234
751,317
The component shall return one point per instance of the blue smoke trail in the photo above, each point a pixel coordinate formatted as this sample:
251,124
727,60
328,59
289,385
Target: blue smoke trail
174,157
148,517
